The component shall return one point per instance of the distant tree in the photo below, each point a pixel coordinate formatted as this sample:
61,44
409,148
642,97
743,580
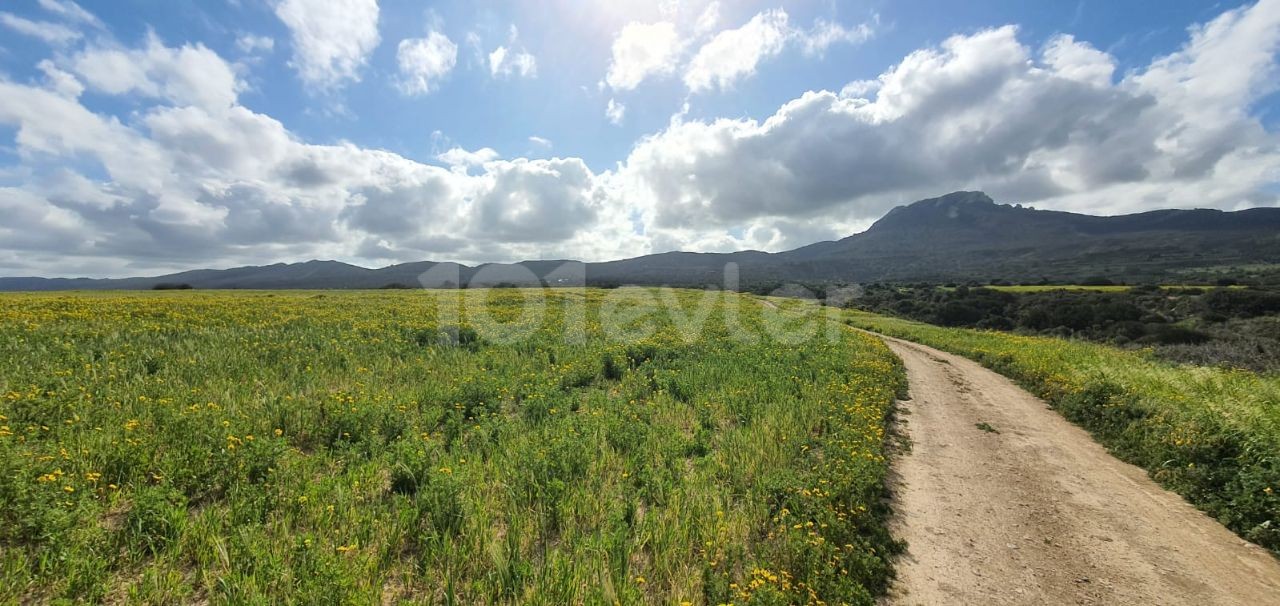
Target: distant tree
171,286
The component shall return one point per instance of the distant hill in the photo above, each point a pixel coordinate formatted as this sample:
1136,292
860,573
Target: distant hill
956,237
965,235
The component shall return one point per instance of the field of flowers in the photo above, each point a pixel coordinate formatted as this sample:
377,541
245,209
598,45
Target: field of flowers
620,446
1210,434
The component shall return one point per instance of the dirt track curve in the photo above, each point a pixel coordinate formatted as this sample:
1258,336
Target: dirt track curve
1039,513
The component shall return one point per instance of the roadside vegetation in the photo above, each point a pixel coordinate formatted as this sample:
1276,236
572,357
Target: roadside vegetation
1231,327
1108,287
366,447
1210,434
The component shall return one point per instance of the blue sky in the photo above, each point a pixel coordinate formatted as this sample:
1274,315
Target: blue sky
150,136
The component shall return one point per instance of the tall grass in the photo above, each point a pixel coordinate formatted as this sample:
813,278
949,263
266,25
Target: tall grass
1210,434
337,448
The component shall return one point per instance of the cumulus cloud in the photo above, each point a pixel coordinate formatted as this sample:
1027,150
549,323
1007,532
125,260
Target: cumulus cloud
506,62
424,62
397,209
51,33
193,178
647,50
332,39
512,59
734,53
615,111
192,182
52,126
191,74
641,51
459,157
523,201
985,111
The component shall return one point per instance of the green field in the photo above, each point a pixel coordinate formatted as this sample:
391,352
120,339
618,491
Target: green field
620,446
1210,434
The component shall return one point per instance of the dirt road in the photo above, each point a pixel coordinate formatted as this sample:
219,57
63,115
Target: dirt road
1039,513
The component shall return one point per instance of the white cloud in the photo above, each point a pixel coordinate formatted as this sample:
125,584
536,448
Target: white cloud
192,75
332,39
234,186
540,141
52,125
733,54
1078,61
194,179
510,59
646,50
71,11
250,43
424,62
59,80
709,18
534,200
506,62
615,111
51,33
1228,63
859,88
188,183
472,40
459,157
641,51
983,112
825,33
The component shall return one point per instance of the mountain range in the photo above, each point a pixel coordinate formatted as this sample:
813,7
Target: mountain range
957,237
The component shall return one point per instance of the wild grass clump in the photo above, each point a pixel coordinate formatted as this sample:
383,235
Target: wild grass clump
302,448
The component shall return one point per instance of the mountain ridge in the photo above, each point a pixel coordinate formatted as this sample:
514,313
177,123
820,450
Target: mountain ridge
963,235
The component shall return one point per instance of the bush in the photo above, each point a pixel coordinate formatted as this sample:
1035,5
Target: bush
1242,303
1169,334
1136,315
447,336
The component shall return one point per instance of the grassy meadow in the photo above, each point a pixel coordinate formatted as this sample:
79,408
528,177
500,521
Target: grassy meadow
1210,434
621,446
